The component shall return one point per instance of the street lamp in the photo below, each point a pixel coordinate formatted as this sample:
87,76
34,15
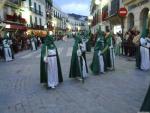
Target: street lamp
90,17
97,2
79,28
89,23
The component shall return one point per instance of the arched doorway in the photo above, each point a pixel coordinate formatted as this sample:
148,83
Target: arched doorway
144,18
130,20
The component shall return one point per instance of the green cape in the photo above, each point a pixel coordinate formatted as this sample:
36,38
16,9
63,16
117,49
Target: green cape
99,46
88,44
43,73
146,104
74,67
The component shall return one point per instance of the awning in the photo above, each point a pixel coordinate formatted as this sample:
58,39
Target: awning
16,27
41,33
114,19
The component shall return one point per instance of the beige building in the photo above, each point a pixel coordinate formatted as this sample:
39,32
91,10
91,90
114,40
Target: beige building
106,14
138,14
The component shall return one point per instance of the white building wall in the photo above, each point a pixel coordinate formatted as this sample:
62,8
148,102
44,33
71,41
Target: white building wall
26,13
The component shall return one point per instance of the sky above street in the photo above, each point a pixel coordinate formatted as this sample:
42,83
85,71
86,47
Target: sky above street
74,6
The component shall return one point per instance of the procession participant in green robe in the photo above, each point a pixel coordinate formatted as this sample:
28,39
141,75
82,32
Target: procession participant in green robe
83,47
146,104
109,56
78,64
88,43
144,50
33,42
7,48
97,65
50,64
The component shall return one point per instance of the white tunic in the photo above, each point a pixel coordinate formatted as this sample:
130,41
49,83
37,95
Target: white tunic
112,54
84,71
52,68
101,62
145,58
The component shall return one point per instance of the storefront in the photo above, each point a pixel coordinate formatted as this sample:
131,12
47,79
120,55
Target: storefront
38,33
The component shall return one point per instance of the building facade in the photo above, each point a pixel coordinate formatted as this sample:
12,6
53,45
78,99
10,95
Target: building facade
34,11
49,11
64,23
58,21
138,14
77,22
137,17
105,15
11,17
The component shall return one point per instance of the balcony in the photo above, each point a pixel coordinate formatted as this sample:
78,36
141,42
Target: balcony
15,18
126,2
34,26
36,11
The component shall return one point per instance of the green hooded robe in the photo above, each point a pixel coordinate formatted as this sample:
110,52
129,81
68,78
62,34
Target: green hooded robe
75,66
88,43
99,46
106,51
43,67
146,104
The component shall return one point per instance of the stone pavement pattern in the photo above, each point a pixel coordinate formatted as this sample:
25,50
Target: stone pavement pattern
120,91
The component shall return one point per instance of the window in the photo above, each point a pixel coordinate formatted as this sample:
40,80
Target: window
35,20
30,3
35,6
31,20
40,21
39,8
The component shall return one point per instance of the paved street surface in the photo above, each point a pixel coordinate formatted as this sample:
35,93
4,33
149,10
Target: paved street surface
119,91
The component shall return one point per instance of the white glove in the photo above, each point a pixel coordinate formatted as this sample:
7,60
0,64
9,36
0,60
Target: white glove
79,53
45,59
148,45
111,47
81,45
99,53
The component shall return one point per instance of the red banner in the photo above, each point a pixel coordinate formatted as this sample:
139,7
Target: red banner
19,27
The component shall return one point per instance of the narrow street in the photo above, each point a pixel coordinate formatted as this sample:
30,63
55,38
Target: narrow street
119,91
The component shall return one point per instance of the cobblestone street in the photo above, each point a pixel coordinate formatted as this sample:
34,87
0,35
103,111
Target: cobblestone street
119,91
